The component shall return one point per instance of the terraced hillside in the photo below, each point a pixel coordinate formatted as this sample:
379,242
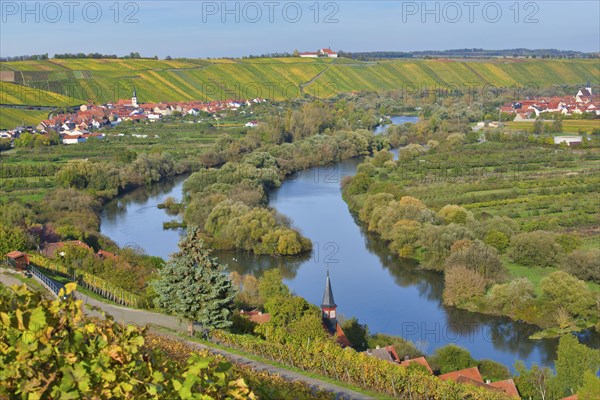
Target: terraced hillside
78,80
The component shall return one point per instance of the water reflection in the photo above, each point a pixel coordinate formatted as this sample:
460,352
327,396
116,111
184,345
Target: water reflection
244,262
135,220
506,335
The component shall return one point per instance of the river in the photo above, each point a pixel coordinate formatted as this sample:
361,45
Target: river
389,294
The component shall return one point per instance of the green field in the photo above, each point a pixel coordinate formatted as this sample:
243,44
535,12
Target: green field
11,117
280,78
535,186
569,126
183,141
535,274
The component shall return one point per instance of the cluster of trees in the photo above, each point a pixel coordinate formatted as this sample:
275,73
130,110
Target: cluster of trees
228,203
469,53
132,55
316,117
108,178
576,373
15,223
539,127
27,139
25,57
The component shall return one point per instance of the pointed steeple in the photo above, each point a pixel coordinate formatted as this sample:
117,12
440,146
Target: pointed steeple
134,102
328,301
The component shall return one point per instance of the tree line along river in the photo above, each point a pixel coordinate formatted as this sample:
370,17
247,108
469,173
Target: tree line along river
389,294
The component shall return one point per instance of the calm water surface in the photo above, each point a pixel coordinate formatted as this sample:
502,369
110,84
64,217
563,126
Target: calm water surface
389,294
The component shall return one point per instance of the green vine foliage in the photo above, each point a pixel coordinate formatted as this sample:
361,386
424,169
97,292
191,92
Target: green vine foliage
329,359
49,349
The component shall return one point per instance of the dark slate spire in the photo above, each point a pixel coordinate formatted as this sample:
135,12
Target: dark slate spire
328,295
134,94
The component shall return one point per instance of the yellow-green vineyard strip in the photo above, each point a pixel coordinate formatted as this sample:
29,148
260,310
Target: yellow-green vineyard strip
90,282
329,359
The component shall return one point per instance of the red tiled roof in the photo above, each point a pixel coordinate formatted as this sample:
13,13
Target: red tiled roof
341,337
50,248
256,316
470,381
472,373
571,397
17,254
328,51
419,360
508,386
106,254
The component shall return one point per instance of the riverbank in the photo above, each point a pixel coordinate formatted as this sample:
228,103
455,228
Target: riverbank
446,208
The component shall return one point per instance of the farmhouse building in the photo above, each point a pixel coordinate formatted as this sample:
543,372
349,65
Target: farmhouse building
17,259
320,53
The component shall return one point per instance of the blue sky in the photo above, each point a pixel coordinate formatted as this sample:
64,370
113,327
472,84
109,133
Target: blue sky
217,28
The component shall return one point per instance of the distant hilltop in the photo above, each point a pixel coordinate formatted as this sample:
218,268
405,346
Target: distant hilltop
72,81
328,52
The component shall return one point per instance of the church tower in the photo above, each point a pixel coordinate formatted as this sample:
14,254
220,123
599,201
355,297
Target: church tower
134,102
328,306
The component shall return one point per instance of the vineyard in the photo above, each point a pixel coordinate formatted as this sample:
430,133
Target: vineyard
11,117
329,359
72,81
569,126
90,282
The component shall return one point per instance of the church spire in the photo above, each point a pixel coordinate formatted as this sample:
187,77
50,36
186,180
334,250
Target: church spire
134,102
328,306
328,294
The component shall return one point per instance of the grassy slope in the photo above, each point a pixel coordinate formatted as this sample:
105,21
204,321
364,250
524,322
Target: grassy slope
11,117
156,80
569,126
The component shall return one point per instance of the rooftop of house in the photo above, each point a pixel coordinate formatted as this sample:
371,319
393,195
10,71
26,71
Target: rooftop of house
256,316
419,360
387,353
16,254
508,386
472,373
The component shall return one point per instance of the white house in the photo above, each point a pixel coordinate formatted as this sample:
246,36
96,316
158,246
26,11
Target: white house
73,139
569,140
328,52
321,53
309,54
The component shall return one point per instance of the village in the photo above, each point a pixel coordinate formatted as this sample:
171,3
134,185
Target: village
583,103
89,120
